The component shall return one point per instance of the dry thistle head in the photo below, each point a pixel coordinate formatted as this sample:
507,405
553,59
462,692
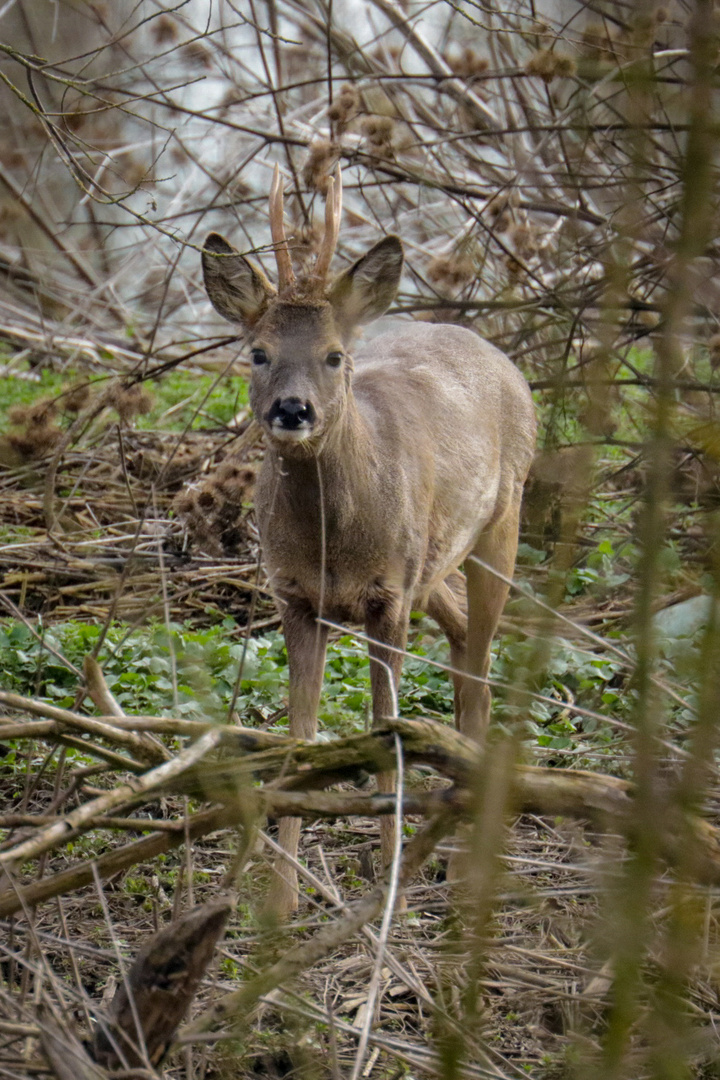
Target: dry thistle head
525,240
206,499
714,350
344,108
515,268
235,480
132,401
451,271
212,513
164,29
550,65
378,130
39,414
469,64
37,434
35,442
75,400
197,54
316,171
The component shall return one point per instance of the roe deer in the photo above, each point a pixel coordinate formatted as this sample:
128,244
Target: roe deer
382,473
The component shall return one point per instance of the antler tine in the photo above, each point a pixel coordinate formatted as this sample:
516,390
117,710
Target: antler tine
286,277
333,213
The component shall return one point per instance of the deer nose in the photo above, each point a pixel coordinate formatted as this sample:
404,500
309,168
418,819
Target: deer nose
291,413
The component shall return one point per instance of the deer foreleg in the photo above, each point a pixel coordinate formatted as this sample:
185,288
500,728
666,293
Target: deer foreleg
386,625
306,642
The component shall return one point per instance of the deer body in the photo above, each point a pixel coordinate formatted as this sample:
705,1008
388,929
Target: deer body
413,471
381,476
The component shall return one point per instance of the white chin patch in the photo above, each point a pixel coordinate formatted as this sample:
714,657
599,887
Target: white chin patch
290,435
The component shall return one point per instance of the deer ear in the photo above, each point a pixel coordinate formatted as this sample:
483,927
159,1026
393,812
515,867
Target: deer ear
237,290
368,288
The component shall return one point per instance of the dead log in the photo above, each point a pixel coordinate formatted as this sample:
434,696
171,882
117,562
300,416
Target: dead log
152,1000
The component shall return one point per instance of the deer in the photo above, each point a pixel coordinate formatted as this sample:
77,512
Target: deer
386,469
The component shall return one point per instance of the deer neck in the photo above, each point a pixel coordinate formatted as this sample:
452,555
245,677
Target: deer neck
336,473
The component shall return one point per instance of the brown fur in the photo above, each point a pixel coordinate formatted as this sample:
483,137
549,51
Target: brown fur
414,460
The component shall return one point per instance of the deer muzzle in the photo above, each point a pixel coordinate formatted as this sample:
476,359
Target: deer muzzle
291,418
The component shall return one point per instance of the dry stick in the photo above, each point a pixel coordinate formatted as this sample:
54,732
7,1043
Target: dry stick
392,892
455,87
87,724
80,421
100,695
50,232
328,939
606,801
328,893
55,834
173,834
114,862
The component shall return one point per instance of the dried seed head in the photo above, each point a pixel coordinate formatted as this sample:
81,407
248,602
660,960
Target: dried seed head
452,271
515,268
184,503
197,54
550,65
378,130
77,398
524,237
565,67
233,476
17,414
132,401
344,108
164,29
35,441
322,155
469,63
39,414
714,348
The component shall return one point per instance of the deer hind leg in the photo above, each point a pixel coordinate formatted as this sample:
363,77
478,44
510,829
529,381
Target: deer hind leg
486,596
306,643
487,593
447,605
386,624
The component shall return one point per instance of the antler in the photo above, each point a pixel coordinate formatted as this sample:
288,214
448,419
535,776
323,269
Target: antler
333,212
286,277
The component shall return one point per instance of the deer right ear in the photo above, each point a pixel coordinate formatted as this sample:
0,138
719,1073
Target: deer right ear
237,290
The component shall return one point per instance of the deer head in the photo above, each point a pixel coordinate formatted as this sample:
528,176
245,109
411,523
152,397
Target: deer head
299,332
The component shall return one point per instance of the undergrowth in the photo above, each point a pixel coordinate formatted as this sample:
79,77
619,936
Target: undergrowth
539,681
179,400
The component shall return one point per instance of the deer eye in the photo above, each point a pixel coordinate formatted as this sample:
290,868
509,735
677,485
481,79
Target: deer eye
334,359
259,356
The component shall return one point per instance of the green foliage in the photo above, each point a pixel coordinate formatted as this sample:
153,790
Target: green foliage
193,674
180,399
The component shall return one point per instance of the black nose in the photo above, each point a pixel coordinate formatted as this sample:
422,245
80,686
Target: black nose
291,413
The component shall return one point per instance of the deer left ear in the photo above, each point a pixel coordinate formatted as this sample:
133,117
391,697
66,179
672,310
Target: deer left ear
367,289
239,291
